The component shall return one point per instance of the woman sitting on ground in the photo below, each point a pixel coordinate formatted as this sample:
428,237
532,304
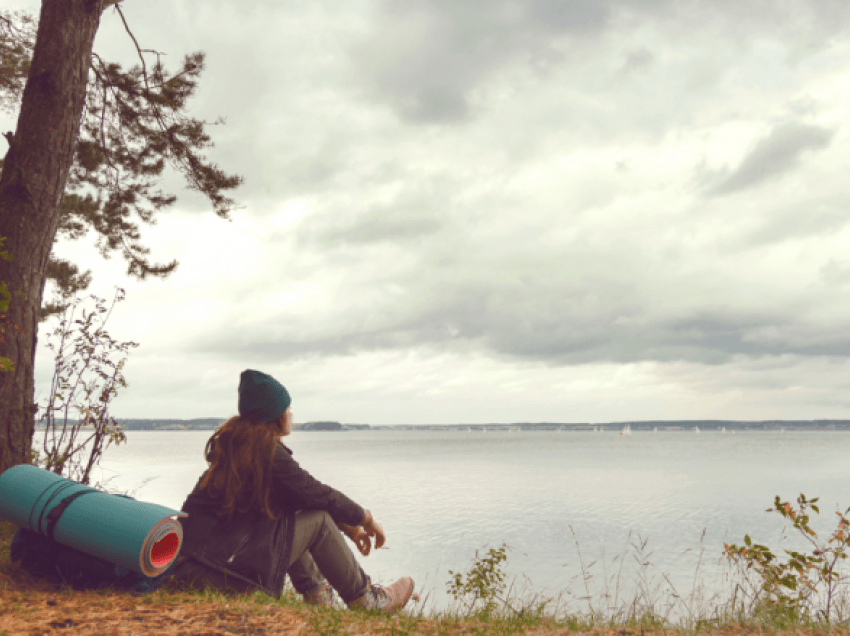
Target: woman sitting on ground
290,523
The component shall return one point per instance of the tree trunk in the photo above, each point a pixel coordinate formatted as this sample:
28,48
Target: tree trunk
31,187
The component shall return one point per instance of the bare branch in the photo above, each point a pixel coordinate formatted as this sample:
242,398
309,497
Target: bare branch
138,48
140,51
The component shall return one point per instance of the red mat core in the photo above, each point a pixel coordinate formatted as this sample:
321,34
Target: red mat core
164,550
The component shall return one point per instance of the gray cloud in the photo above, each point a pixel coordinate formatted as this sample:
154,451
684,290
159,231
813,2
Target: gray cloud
377,226
775,155
822,215
538,304
478,323
570,16
300,108
836,272
416,212
424,57
638,59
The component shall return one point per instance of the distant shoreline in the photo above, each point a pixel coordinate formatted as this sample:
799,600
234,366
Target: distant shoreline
708,426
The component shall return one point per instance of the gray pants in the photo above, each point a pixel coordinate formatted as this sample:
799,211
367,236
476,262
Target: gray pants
319,553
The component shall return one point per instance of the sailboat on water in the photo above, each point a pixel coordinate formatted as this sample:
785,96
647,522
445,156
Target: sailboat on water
655,430
723,430
627,430
696,429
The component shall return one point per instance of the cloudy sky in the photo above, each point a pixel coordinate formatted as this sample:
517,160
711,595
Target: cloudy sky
500,211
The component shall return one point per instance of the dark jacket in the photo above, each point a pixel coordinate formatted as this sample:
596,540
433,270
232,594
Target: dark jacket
253,547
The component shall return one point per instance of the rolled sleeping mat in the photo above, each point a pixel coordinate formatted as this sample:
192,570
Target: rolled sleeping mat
139,536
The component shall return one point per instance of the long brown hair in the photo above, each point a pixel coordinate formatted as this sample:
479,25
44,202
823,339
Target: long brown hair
236,453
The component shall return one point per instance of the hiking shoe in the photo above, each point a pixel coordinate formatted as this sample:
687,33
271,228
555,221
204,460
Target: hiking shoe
320,595
385,599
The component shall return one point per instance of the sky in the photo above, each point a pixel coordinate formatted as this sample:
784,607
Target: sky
502,211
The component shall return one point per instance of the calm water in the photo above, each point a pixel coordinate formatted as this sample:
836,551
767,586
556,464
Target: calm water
442,495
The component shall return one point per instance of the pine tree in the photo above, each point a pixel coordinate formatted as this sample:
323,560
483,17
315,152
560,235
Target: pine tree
91,141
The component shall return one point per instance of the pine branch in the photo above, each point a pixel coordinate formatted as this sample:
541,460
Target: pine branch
133,123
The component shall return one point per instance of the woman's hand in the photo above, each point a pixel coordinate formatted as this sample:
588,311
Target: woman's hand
361,539
372,529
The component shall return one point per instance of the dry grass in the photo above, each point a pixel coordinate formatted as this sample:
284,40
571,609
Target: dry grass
30,606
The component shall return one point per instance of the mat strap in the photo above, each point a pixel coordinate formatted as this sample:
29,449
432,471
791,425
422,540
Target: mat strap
55,513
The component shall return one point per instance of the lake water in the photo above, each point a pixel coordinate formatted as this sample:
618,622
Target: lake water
442,495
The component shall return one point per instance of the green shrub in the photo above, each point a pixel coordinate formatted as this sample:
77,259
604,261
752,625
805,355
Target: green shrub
484,581
791,588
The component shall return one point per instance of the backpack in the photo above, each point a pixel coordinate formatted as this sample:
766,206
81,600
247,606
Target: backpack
43,556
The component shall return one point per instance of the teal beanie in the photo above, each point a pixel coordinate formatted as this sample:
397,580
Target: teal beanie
261,397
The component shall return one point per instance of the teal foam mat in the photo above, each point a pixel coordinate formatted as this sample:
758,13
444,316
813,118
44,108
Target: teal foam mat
137,535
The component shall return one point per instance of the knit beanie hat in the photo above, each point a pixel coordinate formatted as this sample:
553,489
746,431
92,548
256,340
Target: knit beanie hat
261,397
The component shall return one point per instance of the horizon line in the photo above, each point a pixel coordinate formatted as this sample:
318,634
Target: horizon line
195,419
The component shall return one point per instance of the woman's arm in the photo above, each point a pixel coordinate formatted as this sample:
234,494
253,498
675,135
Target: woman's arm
300,490
347,529
367,519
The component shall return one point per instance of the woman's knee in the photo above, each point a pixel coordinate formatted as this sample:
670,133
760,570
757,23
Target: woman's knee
319,517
